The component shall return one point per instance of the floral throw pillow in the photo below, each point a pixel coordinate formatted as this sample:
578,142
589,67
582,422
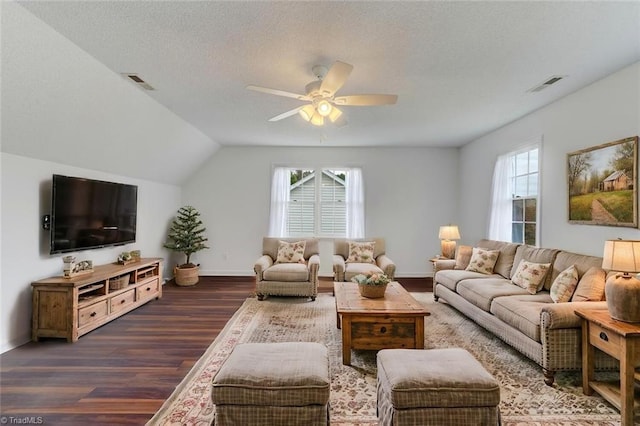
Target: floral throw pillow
482,260
291,252
361,252
530,276
564,285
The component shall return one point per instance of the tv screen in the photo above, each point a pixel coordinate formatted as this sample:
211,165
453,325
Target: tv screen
87,214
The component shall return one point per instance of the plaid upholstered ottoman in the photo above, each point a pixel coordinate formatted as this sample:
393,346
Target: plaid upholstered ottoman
267,384
435,387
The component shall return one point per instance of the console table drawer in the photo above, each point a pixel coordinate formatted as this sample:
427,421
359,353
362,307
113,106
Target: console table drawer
92,313
123,301
147,290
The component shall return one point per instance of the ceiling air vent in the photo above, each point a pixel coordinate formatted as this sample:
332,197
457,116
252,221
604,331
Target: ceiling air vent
548,82
138,81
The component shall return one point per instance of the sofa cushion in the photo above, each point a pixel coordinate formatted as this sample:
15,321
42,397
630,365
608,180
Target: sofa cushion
507,254
291,252
353,269
287,272
591,286
361,252
463,257
451,277
564,285
482,291
535,255
582,263
522,312
482,260
530,275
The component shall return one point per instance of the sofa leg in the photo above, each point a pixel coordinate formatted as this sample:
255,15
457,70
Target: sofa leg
435,298
313,298
260,296
549,377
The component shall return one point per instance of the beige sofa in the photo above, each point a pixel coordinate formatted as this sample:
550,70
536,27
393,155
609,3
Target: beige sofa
287,279
548,333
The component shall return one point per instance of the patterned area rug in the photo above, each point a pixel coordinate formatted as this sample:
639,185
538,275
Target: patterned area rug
525,399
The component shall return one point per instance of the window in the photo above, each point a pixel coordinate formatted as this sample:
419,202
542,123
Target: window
326,202
514,207
525,197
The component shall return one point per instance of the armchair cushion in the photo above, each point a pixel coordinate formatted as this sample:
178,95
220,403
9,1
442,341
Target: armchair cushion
287,272
291,252
361,252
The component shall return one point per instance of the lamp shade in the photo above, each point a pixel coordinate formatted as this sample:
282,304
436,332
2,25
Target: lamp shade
621,255
449,232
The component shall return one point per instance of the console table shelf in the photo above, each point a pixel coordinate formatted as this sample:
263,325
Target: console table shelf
70,307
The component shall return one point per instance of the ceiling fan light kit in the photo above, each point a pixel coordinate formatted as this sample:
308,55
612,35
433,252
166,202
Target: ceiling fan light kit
321,95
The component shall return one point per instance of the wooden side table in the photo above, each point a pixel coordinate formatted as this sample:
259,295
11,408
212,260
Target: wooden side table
620,340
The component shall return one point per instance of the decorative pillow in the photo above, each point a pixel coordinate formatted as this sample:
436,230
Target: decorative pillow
564,285
361,252
291,252
591,286
482,260
530,276
463,257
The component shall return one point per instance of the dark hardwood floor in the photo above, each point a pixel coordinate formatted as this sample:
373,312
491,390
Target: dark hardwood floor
122,372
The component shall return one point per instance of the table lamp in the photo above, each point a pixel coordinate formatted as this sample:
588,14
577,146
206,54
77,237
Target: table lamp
448,234
622,289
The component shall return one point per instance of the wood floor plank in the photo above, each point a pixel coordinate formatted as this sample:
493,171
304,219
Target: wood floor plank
122,372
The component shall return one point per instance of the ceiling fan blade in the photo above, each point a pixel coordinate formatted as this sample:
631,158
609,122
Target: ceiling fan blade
335,78
366,100
286,114
278,92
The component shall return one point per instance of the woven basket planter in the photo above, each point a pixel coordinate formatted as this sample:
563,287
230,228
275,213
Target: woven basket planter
372,291
186,276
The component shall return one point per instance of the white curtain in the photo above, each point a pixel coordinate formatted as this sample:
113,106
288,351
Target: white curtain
279,202
501,199
355,204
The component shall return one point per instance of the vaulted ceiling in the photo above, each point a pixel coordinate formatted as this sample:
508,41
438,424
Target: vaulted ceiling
460,69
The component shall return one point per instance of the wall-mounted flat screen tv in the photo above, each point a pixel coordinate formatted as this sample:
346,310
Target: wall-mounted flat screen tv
88,214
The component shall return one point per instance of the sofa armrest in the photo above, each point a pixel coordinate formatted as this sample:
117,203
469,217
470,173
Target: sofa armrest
562,315
386,264
443,264
261,265
338,267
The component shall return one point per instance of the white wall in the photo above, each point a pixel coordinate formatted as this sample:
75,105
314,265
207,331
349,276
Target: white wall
605,111
409,193
26,197
60,104
59,100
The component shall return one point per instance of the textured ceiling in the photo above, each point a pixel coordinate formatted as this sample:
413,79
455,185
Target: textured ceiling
460,69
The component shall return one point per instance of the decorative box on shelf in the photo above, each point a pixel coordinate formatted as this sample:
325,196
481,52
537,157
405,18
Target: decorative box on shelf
72,269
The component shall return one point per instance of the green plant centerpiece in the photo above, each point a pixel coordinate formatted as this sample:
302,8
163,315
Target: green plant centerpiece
371,284
186,235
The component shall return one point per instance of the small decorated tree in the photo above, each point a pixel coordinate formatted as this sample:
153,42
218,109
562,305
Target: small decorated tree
186,235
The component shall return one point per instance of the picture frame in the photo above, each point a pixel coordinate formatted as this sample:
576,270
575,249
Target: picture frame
603,184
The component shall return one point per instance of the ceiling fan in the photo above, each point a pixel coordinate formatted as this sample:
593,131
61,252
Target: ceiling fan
321,95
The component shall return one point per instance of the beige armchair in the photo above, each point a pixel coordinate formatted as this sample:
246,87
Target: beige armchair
287,279
344,270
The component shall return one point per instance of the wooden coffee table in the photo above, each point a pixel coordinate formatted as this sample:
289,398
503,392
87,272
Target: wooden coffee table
395,321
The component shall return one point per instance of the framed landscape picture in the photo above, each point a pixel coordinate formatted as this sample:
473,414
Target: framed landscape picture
603,186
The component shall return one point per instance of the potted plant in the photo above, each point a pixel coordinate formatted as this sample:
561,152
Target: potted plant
186,235
372,284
